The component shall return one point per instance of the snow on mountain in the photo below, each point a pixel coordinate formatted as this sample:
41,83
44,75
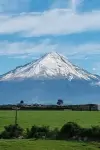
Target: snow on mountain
47,79
51,65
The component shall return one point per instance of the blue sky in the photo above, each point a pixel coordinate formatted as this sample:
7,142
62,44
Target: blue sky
31,28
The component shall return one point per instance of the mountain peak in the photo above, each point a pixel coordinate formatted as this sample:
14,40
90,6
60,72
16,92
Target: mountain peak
52,55
51,65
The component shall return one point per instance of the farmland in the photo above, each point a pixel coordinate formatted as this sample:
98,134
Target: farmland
50,118
46,145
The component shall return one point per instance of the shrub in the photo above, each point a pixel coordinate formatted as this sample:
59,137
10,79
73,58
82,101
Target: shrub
70,130
12,131
92,133
86,132
53,134
38,132
96,132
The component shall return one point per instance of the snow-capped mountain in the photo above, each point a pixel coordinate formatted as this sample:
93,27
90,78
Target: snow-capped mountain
52,65
47,79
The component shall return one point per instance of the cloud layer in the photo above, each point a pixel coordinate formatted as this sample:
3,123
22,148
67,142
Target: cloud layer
30,49
53,22
25,48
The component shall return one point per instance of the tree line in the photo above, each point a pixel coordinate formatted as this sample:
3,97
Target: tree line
58,106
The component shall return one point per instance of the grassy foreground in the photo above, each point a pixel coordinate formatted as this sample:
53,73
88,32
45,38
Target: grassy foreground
26,119
52,119
46,145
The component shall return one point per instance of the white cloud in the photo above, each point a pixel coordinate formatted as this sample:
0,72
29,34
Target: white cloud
85,49
96,67
28,49
60,4
71,4
20,57
53,22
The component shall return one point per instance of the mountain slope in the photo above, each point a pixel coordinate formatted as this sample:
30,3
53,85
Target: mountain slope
52,65
47,79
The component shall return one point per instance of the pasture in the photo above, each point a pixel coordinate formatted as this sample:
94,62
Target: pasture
49,118
46,145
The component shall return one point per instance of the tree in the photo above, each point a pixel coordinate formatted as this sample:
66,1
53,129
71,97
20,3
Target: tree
21,102
60,102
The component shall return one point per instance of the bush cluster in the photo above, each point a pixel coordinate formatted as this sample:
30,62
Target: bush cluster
69,131
11,131
38,132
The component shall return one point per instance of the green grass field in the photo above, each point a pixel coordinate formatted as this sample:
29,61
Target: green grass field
47,145
49,118
52,119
